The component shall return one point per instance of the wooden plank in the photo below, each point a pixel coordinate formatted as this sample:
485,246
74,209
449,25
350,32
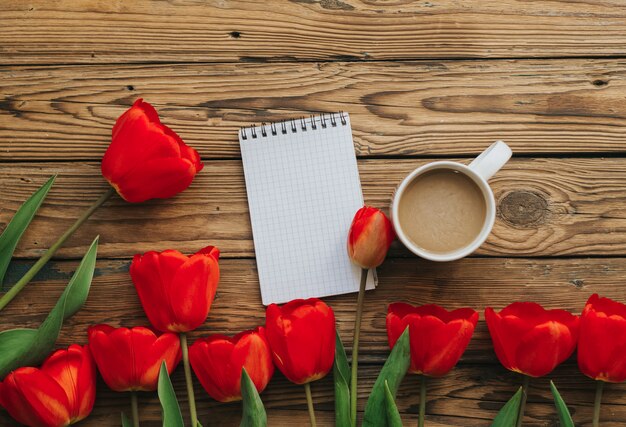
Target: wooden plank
116,32
476,388
545,207
398,109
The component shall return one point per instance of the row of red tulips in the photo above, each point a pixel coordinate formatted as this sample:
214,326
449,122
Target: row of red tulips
527,339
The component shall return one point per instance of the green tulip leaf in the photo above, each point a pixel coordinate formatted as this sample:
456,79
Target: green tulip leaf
29,347
126,422
253,411
13,232
565,418
341,377
172,417
393,372
507,417
393,415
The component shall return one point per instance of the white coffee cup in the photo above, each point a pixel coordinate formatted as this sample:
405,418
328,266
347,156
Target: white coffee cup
479,170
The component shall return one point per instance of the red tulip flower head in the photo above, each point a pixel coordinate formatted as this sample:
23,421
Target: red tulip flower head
531,340
301,335
437,337
130,359
218,360
146,159
602,341
176,291
369,238
60,393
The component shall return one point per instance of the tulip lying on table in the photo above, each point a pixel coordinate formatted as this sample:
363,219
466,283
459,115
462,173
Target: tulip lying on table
145,160
176,292
531,340
602,345
129,359
438,339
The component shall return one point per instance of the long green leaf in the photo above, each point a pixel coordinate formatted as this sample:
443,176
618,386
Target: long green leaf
13,232
341,377
393,372
172,417
29,347
507,417
565,418
253,411
393,415
126,422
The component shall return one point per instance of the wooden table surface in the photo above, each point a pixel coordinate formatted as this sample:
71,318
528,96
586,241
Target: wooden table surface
422,80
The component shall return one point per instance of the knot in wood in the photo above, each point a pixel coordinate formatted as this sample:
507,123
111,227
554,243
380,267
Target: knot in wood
523,208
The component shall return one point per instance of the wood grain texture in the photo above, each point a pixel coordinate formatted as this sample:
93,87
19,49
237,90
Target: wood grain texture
92,31
397,108
469,396
546,207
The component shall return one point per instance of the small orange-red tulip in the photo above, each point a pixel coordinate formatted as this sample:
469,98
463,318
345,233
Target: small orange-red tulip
602,341
301,335
217,361
369,238
60,393
531,340
176,291
146,159
130,359
438,338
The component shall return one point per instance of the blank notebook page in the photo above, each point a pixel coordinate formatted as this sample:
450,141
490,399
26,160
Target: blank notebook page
303,191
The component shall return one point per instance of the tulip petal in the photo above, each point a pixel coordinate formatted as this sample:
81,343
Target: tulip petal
544,347
114,356
73,369
33,398
152,273
602,345
192,291
151,352
211,361
160,178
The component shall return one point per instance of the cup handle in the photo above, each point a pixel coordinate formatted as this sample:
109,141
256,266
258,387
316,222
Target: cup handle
491,160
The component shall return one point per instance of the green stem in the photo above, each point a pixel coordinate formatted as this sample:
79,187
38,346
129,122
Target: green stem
189,380
134,408
355,346
12,293
420,421
522,406
309,403
597,403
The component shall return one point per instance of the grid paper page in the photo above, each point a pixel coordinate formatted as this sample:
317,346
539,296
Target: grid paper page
303,190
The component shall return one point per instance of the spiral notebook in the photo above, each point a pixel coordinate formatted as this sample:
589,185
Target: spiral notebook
303,190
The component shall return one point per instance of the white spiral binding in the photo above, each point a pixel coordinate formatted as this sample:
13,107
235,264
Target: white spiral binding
293,125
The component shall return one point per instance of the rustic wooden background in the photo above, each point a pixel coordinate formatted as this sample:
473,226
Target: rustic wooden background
422,80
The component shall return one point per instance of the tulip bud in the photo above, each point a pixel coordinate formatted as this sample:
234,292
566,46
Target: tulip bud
369,238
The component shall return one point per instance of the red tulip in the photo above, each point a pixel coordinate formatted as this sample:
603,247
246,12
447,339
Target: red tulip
602,341
176,291
531,340
438,337
146,159
60,393
130,359
217,361
369,238
301,335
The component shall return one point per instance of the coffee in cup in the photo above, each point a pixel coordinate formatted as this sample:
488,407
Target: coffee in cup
444,210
